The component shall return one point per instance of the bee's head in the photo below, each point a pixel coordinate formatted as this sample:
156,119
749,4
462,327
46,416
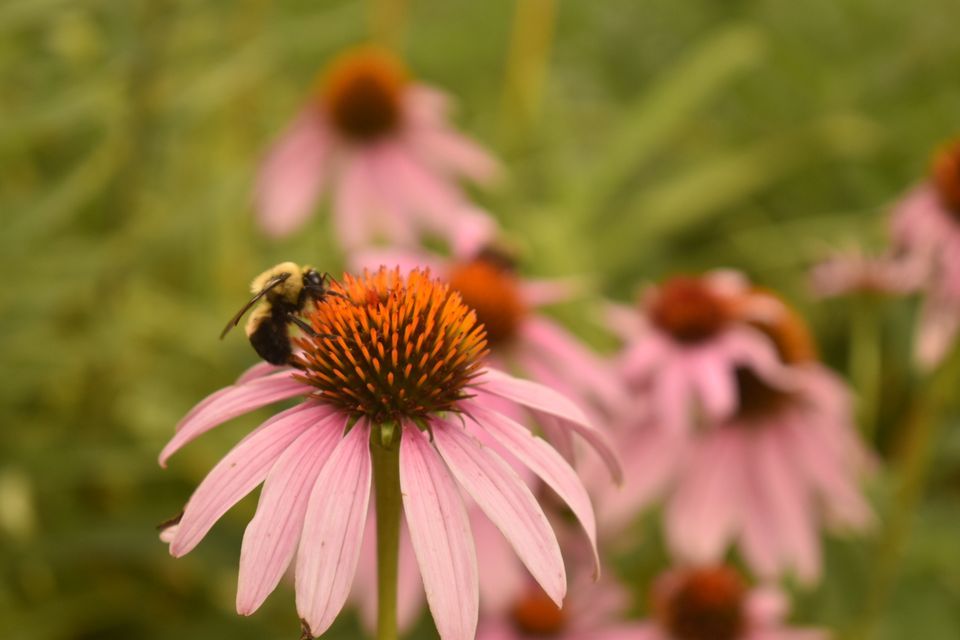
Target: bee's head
314,283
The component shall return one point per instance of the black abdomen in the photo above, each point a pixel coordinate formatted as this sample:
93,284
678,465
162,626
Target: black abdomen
271,339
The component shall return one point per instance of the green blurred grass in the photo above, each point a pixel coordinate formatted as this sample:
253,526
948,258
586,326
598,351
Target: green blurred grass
670,136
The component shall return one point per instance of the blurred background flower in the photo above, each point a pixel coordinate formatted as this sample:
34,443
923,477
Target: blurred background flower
638,140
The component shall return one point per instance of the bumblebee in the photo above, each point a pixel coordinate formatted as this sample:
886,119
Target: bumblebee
283,292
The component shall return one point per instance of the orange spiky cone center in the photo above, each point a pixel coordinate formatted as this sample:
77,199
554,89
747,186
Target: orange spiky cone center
493,291
391,347
536,614
688,309
705,604
785,327
945,172
362,94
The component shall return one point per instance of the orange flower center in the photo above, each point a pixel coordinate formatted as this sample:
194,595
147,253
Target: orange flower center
362,94
536,615
785,327
389,347
687,309
707,604
946,176
493,292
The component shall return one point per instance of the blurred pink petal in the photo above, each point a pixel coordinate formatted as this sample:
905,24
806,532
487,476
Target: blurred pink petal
333,530
291,177
546,401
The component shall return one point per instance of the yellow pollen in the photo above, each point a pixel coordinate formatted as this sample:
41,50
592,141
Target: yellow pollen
440,357
362,93
494,293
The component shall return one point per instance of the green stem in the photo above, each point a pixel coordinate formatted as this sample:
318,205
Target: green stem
865,362
385,449
911,465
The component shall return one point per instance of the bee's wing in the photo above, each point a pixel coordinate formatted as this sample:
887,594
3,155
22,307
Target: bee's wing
235,320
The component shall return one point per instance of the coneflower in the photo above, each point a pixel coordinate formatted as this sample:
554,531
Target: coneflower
396,397
926,227
381,146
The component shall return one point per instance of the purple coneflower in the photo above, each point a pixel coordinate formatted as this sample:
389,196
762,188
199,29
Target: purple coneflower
768,476
395,396
926,226
785,464
684,345
381,144
714,603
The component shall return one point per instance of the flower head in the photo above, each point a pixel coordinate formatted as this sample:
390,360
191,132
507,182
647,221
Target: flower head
715,603
519,335
381,144
853,272
401,353
926,230
684,344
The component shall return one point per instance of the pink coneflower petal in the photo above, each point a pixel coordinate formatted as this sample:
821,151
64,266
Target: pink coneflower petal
440,532
271,537
292,175
333,530
788,505
825,471
353,202
508,502
240,471
447,150
939,325
703,514
545,401
759,536
547,291
717,388
230,402
259,370
411,183
553,343
547,463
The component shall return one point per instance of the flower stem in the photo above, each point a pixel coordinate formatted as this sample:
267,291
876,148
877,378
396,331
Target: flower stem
911,463
865,362
385,450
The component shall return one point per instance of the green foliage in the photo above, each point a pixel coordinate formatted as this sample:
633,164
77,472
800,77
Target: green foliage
671,136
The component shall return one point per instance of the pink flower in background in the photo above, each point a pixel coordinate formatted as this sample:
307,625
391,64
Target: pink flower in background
766,478
714,603
408,352
592,611
853,273
520,337
926,227
683,346
785,465
381,146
